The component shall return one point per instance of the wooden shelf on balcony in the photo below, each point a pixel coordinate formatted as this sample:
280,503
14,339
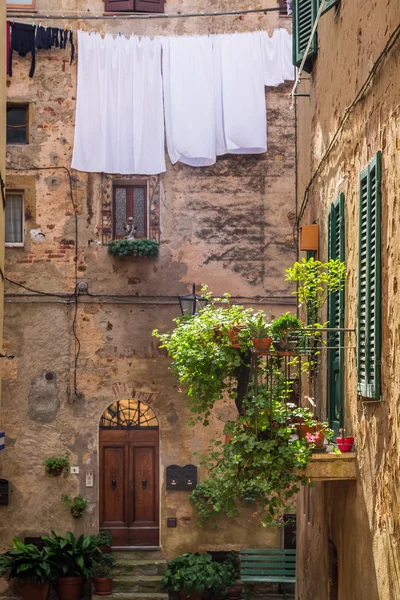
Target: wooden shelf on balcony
332,467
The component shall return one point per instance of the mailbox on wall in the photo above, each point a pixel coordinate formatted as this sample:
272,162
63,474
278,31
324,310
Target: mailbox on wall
189,477
174,477
3,491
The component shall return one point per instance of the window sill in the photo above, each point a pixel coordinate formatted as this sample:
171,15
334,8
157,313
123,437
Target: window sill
16,245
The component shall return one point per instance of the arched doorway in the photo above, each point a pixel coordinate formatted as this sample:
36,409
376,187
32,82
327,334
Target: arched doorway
129,474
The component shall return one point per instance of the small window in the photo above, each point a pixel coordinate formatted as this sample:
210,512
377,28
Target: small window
285,8
14,233
130,201
146,6
17,123
21,4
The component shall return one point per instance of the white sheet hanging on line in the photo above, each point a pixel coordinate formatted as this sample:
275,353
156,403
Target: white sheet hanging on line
241,126
276,53
188,77
119,115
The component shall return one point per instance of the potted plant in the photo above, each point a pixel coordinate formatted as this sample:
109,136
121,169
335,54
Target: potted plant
193,574
101,573
76,505
285,331
259,330
345,443
104,541
55,465
31,566
135,247
234,587
71,559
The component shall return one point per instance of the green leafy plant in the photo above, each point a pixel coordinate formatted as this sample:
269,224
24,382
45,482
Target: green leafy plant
26,562
285,325
55,465
76,505
203,359
104,538
197,573
70,556
102,568
138,247
315,281
258,326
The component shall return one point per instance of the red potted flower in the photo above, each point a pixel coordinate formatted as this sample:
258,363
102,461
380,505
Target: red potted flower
345,443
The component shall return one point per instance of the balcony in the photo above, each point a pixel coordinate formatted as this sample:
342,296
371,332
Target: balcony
332,467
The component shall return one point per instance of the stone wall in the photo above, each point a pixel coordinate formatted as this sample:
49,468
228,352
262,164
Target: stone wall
229,226
360,519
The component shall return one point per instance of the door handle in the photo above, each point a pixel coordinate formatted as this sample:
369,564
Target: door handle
144,484
114,484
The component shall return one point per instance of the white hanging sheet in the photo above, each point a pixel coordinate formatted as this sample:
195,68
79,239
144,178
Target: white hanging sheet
189,100
276,53
119,115
240,95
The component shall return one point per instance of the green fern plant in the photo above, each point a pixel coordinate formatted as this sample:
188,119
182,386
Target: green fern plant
139,247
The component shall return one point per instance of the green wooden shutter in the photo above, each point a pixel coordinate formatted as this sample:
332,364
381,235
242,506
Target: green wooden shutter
336,306
369,282
329,4
304,15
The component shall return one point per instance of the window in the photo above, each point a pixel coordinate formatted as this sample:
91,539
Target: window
130,201
369,282
21,4
336,302
148,6
17,124
285,8
14,229
304,15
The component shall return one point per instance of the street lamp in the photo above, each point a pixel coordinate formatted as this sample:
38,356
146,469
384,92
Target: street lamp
191,304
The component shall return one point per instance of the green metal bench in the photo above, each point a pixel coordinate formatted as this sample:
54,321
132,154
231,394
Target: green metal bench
269,566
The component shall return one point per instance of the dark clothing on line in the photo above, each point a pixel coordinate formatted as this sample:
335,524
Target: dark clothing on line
23,41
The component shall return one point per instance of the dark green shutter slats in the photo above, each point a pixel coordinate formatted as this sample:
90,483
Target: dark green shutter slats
336,319
369,282
304,15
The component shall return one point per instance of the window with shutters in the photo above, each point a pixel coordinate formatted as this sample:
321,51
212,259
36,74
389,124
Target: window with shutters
369,282
336,300
329,4
304,15
14,219
130,201
146,6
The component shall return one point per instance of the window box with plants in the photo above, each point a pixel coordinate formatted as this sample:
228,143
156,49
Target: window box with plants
71,561
134,247
31,567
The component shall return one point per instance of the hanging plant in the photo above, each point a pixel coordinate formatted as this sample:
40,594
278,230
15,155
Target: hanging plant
76,505
138,247
55,465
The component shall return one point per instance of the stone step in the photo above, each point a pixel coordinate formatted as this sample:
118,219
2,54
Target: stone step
135,554
145,584
132,596
128,566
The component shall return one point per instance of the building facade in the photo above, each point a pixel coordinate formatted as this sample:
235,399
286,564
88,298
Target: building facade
80,321
348,184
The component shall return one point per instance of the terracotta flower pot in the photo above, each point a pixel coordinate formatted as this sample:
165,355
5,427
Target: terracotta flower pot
70,588
235,591
103,586
233,335
228,437
105,549
318,431
192,596
34,591
56,471
262,344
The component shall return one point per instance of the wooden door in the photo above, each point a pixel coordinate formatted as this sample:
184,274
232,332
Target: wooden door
129,486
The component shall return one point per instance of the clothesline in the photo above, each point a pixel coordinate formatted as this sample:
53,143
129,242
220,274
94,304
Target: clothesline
139,16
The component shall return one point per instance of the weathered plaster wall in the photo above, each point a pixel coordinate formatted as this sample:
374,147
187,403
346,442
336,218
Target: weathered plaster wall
361,519
3,95
229,226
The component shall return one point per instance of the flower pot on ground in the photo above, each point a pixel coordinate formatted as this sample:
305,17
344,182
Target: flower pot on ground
101,574
285,331
71,560
234,591
104,541
55,465
31,566
70,588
